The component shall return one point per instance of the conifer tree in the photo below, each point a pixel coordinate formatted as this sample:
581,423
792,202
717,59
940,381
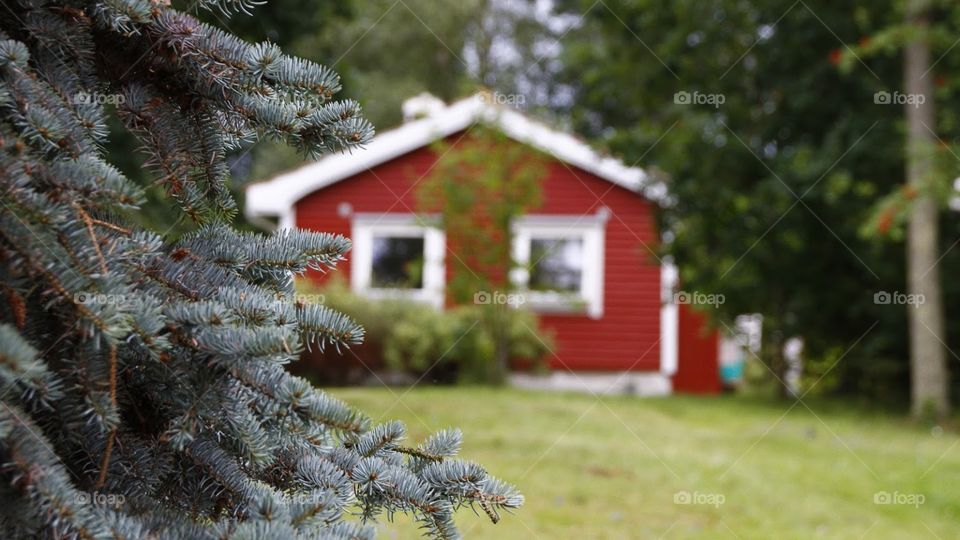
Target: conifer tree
142,384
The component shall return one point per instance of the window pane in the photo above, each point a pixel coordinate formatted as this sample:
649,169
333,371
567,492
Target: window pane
397,262
557,264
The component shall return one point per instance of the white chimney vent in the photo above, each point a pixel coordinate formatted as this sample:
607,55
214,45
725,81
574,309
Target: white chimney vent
422,105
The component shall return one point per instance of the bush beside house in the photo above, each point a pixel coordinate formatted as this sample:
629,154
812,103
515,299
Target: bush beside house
410,341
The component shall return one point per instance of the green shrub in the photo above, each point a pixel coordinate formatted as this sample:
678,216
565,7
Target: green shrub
454,345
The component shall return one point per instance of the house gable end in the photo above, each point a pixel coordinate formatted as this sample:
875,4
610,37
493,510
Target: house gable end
279,195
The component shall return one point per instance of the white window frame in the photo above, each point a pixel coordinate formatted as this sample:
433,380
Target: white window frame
591,230
365,226
669,317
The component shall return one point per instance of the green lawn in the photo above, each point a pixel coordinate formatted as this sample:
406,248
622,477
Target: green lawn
612,468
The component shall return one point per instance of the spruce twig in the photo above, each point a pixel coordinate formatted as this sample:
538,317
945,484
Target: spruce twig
93,236
203,425
105,463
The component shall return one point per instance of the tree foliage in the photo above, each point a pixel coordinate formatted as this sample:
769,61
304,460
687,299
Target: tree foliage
294,25
774,185
142,383
477,199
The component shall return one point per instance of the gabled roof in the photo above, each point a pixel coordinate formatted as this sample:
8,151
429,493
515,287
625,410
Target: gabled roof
278,195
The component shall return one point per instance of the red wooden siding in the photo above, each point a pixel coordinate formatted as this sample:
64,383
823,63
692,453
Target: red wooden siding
625,338
698,370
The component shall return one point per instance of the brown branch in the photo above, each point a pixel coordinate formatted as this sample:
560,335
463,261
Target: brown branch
111,226
490,510
18,307
153,273
56,285
105,464
93,236
417,453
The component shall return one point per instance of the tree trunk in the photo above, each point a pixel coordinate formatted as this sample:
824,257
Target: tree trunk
927,337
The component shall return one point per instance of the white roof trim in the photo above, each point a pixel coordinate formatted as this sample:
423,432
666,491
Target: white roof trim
277,196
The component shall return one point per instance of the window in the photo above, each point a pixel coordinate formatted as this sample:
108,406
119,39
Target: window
556,264
560,262
397,262
397,256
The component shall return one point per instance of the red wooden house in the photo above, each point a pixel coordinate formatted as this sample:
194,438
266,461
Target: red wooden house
595,277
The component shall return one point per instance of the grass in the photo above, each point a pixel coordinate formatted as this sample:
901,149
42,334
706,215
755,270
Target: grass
612,468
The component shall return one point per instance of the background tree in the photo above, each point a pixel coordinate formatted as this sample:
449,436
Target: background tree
477,199
918,201
774,185
447,52
928,357
149,374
